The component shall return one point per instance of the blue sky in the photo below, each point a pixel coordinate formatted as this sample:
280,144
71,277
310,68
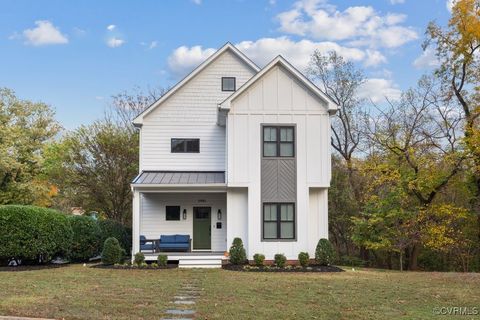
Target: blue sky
74,55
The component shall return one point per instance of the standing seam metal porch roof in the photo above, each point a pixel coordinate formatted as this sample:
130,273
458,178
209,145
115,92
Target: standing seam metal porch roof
180,177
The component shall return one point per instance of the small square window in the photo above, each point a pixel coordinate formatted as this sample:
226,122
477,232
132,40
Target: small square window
172,213
228,84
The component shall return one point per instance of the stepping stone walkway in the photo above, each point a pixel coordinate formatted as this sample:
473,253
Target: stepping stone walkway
183,302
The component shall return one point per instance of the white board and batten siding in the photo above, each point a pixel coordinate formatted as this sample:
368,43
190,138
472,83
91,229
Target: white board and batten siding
192,113
278,98
153,223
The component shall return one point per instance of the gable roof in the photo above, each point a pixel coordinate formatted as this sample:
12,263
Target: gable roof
228,46
279,60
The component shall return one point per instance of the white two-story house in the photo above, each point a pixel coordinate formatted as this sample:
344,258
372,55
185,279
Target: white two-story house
233,150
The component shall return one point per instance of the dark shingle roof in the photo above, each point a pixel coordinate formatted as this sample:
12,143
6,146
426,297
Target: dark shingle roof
180,177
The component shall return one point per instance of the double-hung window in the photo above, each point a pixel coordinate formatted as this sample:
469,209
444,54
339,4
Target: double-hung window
278,141
279,221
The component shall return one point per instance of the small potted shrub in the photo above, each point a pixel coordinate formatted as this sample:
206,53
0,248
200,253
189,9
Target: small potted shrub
112,252
162,260
324,253
237,252
139,259
259,259
303,259
280,260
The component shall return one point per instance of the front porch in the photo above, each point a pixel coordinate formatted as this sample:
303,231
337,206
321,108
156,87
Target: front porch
184,219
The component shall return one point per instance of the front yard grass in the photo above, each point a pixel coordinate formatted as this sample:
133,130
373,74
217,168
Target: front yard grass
77,292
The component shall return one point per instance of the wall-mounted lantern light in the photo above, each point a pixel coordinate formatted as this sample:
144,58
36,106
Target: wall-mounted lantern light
184,214
219,214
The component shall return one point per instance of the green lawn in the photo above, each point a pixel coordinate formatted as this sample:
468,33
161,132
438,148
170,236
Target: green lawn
77,292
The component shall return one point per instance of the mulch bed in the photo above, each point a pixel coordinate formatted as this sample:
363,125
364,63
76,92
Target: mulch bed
132,267
311,268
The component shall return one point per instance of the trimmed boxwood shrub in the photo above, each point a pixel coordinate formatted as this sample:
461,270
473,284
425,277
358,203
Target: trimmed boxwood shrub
112,253
324,253
139,259
33,233
280,260
162,260
259,259
112,228
86,238
237,252
304,259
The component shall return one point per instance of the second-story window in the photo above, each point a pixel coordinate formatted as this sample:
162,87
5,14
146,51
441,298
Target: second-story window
228,84
278,141
185,145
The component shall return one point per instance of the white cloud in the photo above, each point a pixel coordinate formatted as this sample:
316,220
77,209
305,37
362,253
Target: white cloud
111,27
374,58
397,1
198,2
44,33
298,53
361,25
426,60
115,42
376,89
184,59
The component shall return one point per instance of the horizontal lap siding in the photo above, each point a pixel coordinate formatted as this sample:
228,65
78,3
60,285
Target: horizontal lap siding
192,113
152,215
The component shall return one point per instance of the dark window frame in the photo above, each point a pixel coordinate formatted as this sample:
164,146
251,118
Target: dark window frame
278,142
234,84
279,221
185,148
179,213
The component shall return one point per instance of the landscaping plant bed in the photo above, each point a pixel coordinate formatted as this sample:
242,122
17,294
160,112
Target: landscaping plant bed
136,267
311,268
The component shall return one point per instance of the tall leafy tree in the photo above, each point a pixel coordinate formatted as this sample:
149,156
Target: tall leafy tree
94,165
458,51
418,138
25,128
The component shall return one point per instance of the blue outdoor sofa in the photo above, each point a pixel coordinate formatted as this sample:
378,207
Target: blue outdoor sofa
176,242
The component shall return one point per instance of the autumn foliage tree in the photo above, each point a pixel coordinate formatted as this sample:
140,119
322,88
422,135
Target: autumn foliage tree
458,51
417,152
25,129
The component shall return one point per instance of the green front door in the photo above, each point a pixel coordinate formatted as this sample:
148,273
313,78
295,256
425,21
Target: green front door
201,228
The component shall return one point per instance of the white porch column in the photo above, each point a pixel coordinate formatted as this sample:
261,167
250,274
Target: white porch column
136,222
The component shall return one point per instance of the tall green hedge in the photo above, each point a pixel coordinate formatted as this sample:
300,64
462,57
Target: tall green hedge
86,238
33,233
112,228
